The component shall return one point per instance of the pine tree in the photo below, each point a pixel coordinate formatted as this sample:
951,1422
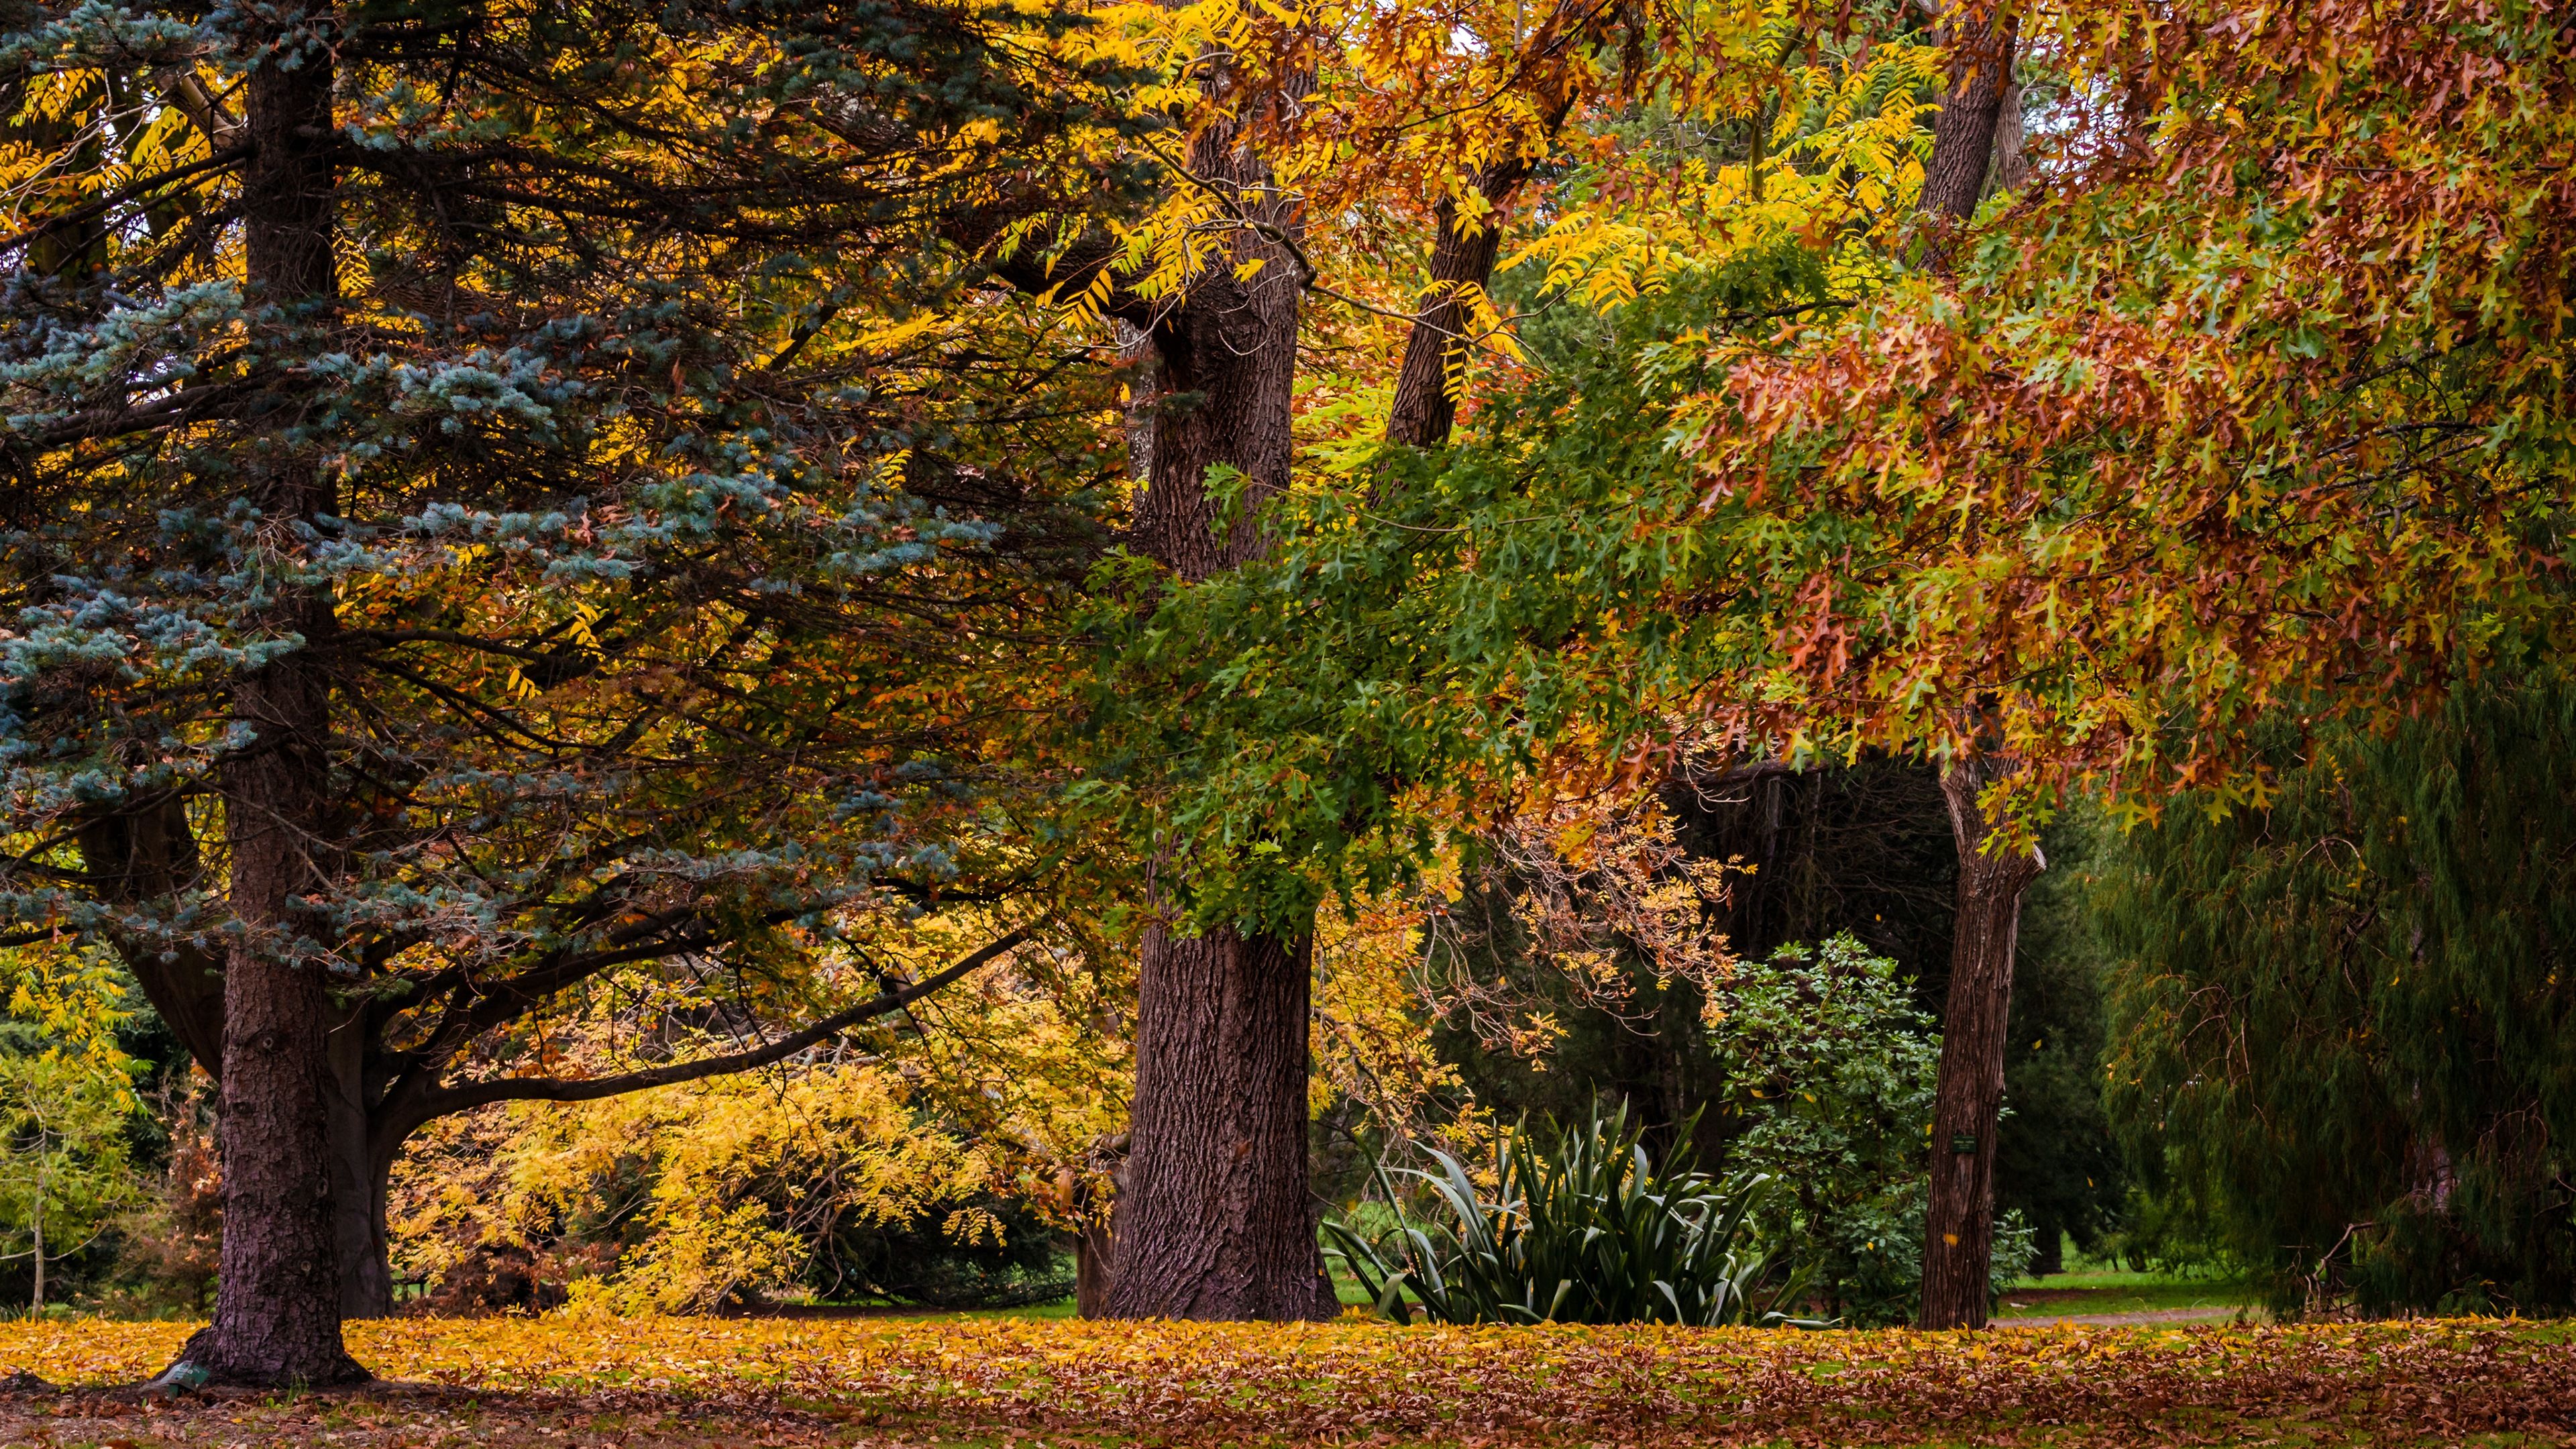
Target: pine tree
502,496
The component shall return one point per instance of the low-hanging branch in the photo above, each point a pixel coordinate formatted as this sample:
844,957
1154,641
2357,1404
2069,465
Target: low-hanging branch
558,1089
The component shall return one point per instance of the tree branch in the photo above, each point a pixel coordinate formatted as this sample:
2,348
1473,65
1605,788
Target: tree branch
556,1089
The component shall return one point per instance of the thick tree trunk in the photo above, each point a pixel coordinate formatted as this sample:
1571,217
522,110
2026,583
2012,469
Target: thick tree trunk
1958,1237
1217,1224
148,855
1215,1219
277,1303
1958,1230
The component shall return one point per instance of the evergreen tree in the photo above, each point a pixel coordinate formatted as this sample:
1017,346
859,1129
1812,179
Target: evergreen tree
2347,1018
493,503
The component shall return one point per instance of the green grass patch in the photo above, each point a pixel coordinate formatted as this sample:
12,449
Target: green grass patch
2089,1294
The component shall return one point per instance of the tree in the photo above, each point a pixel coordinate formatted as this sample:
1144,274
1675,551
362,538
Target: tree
1938,511
66,1103
2094,538
1286,792
501,498
1958,1232
2341,1015
1378,120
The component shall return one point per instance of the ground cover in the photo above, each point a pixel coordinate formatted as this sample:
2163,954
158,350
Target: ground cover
703,1382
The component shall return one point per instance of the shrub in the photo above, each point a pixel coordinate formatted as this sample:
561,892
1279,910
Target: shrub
1830,1070
1582,1228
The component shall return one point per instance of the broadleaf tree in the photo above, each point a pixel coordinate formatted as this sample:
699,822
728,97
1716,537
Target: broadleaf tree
1349,172
2250,406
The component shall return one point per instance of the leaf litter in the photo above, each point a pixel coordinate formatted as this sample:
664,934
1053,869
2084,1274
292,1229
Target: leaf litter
590,1380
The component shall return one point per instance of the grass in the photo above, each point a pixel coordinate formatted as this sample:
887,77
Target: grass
2101,1291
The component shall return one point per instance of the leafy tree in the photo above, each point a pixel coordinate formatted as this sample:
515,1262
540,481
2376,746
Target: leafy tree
1305,148
2228,411
66,1108
504,498
2166,445
924,1156
2344,1018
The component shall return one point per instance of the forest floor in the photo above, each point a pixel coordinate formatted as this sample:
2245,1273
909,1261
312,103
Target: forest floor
700,1383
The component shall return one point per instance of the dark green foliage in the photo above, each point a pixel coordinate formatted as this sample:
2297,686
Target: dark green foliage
1014,1263
2348,1021
1583,1227
2056,1160
1830,1071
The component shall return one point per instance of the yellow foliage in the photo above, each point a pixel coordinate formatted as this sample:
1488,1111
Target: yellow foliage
682,1197
1374,1007
726,1183
75,1001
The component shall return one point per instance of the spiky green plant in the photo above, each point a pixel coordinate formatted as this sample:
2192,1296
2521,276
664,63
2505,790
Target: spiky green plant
1583,1228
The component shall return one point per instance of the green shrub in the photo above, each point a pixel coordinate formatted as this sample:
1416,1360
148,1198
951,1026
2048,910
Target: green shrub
1830,1070
1582,1228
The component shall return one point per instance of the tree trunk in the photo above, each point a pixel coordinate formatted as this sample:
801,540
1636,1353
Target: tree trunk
360,1170
1958,1229
1217,1224
1981,44
1095,1268
1958,1236
1215,1219
148,855
145,854
1424,411
277,1301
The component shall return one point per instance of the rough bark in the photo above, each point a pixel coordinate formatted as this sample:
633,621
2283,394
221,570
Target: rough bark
1461,259
1958,1237
148,854
1980,38
1215,1222
277,1303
